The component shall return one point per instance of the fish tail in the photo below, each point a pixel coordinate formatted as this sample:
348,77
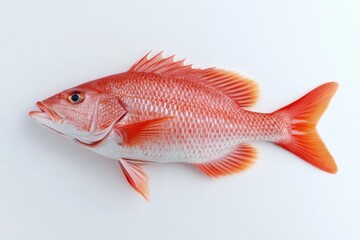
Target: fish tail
302,117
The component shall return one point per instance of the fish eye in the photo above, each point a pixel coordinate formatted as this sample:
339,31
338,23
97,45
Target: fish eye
75,98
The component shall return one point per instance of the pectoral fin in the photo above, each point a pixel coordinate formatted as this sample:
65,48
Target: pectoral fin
140,132
135,176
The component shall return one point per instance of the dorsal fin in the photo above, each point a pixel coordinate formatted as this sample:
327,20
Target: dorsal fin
242,90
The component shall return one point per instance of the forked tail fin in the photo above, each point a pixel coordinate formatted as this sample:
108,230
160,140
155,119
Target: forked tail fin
303,115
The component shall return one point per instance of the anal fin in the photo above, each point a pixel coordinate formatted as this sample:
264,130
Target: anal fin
135,176
239,159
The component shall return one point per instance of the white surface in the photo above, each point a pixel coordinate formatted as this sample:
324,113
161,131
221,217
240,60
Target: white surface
53,189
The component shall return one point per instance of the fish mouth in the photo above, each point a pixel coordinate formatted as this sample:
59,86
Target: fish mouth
47,113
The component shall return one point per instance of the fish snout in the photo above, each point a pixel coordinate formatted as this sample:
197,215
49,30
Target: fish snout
46,112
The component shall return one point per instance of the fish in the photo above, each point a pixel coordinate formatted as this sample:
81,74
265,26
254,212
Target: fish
162,110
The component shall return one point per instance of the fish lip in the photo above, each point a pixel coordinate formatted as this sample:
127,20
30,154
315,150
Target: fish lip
47,112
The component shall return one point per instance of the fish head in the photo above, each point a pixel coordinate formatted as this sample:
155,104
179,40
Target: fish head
83,113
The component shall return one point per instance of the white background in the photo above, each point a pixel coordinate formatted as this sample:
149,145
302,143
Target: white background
53,189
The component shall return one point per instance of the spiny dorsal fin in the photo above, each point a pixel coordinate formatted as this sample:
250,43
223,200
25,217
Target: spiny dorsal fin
242,90
239,159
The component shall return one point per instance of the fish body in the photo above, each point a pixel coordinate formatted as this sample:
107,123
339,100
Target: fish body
164,111
199,128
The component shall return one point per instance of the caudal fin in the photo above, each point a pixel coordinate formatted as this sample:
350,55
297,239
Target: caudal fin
303,115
